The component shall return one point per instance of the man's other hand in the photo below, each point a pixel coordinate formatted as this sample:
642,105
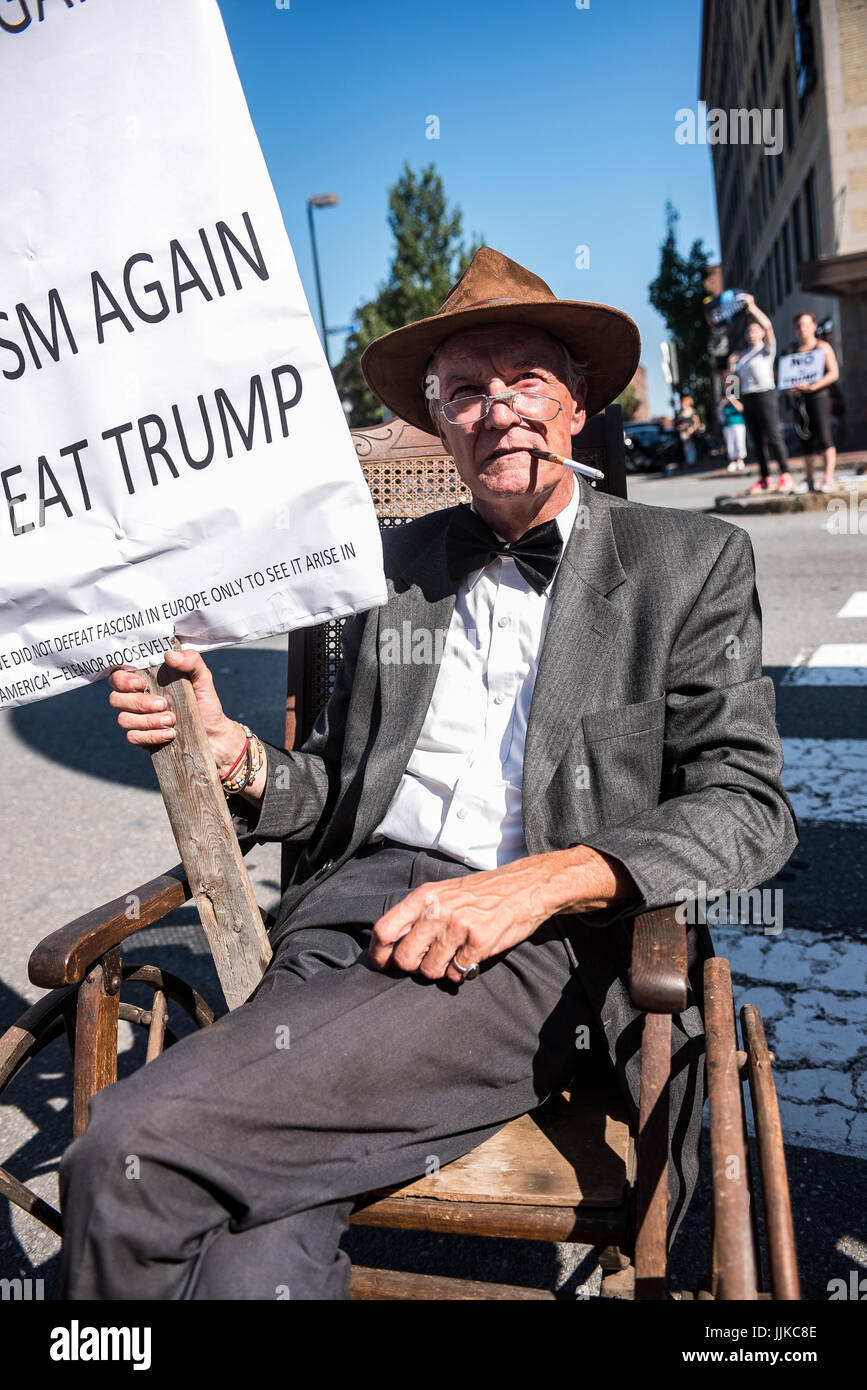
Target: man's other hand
483,914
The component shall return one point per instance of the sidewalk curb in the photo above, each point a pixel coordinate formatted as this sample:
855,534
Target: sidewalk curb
739,503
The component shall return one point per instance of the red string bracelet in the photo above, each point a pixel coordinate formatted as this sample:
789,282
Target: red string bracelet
238,759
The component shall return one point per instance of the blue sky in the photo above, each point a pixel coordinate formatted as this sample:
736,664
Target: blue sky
556,130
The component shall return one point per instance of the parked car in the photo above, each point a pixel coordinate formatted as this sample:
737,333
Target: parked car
649,446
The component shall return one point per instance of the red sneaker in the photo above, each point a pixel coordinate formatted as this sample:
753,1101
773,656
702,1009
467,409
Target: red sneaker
784,482
760,485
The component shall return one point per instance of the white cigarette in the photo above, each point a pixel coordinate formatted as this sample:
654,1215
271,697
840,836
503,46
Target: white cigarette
584,469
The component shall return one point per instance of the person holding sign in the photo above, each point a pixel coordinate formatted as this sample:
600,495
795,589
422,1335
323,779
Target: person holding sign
755,369
480,827
814,398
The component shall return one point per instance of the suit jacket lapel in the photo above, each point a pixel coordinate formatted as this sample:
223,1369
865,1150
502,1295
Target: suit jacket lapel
578,646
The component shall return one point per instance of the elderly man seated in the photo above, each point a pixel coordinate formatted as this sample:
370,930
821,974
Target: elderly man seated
592,736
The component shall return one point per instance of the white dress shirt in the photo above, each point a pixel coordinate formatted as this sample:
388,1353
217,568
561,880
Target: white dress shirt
461,792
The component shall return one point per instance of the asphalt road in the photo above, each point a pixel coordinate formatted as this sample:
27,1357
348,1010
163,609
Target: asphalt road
88,825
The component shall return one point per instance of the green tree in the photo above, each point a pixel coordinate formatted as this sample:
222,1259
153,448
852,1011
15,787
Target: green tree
429,255
628,401
677,294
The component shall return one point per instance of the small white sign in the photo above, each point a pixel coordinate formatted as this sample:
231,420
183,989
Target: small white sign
174,458
796,367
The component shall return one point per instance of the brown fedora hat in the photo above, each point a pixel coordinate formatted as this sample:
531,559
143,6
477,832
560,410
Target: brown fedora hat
495,290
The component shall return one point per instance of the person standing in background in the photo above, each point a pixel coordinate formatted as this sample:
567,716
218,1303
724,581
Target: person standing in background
755,370
688,424
730,413
815,402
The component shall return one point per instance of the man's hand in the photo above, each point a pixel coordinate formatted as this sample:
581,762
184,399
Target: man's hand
483,914
149,722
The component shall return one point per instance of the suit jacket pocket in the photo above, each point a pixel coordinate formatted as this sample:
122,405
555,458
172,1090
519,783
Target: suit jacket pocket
623,749
628,719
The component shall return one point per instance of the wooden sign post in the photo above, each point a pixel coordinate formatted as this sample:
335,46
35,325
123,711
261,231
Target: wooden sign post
207,842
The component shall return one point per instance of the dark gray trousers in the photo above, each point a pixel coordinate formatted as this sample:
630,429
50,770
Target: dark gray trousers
228,1167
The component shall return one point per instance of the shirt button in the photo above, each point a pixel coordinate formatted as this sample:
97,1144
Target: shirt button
498,699
462,813
503,622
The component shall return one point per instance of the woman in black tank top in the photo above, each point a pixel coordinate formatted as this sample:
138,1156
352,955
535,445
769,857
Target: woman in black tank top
813,403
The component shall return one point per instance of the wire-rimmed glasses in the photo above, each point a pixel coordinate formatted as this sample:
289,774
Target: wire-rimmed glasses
469,410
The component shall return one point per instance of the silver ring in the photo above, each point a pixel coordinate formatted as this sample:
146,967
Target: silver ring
469,972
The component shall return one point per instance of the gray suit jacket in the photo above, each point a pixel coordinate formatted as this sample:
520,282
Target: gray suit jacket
651,737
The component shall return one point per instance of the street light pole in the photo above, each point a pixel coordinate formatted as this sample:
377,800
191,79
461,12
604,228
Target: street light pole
321,200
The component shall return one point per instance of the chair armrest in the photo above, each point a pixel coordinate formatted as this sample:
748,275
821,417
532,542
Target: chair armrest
658,970
64,957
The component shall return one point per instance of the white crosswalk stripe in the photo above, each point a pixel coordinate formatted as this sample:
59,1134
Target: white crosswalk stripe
834,663
855,606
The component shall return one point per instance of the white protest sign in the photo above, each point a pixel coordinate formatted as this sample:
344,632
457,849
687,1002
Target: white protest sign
174,458
795,367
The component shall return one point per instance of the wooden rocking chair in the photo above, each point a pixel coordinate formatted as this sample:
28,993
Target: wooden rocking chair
570,1171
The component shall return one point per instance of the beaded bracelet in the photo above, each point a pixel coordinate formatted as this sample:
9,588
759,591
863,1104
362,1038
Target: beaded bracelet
240,755
255,757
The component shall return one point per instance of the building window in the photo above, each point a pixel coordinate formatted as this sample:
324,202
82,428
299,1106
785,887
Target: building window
772,178
811,209
762,64
763,181
787,257
805,54
788,108
739,261
770,182
797,244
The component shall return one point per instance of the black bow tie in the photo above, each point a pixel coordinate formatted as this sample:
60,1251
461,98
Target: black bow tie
471,544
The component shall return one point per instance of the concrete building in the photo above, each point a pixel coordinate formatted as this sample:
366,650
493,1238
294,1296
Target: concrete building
792,206
639,386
